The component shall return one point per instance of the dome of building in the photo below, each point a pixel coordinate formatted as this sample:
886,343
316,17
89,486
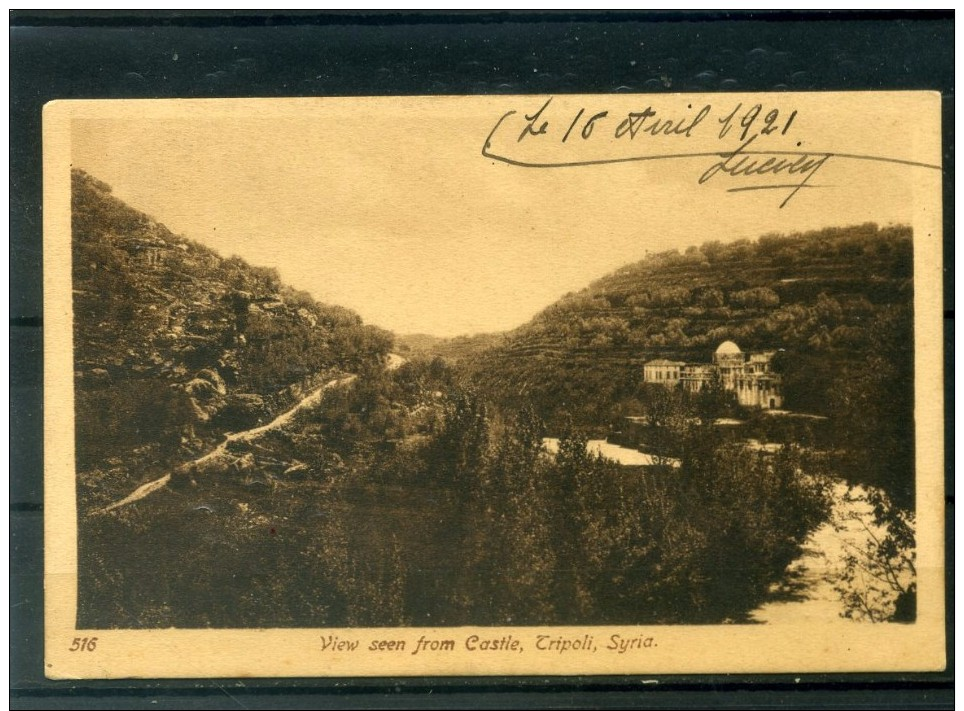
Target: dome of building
728,348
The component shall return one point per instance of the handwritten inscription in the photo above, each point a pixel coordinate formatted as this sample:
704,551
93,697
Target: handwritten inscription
748,160
743,162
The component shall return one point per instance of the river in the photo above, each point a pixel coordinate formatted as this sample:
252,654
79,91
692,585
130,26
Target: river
614,452
808,592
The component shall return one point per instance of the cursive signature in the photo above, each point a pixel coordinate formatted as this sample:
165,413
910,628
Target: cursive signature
748,164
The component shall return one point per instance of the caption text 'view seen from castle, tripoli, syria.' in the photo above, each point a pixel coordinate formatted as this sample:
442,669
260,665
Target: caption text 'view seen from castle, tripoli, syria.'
719,434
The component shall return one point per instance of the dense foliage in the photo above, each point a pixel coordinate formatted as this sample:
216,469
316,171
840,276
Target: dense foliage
837,303
404,500
815,295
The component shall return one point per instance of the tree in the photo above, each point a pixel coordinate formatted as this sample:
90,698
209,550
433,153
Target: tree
510,564
714,400
756,298
872,406
879,581
668,420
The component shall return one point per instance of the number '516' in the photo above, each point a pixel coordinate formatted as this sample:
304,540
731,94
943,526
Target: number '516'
83,644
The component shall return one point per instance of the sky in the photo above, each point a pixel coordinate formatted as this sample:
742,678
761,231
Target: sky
388,207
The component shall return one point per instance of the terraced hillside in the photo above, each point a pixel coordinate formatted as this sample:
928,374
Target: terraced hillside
816,295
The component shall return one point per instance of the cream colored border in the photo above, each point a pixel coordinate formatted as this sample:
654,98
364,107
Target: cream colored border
836,646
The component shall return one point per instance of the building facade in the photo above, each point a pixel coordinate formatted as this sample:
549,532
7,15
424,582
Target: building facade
748,375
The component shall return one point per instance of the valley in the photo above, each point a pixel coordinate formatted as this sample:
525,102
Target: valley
286,464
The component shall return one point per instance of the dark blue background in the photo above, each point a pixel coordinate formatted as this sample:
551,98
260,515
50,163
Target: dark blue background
59,55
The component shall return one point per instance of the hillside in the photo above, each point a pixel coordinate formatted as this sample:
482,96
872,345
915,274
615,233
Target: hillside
815,295
175,345
450,349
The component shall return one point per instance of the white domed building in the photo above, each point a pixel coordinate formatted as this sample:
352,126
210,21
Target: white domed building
727,351
747,375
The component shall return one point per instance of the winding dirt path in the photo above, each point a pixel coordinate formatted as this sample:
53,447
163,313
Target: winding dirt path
221,451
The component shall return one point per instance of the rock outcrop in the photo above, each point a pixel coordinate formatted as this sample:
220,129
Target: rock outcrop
175,345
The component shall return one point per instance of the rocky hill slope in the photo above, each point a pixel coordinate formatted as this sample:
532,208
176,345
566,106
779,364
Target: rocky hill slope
175,345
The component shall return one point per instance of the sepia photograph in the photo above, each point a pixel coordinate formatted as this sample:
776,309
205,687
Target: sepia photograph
496,384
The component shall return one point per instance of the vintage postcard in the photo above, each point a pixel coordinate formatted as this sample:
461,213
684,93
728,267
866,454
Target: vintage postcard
513,385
